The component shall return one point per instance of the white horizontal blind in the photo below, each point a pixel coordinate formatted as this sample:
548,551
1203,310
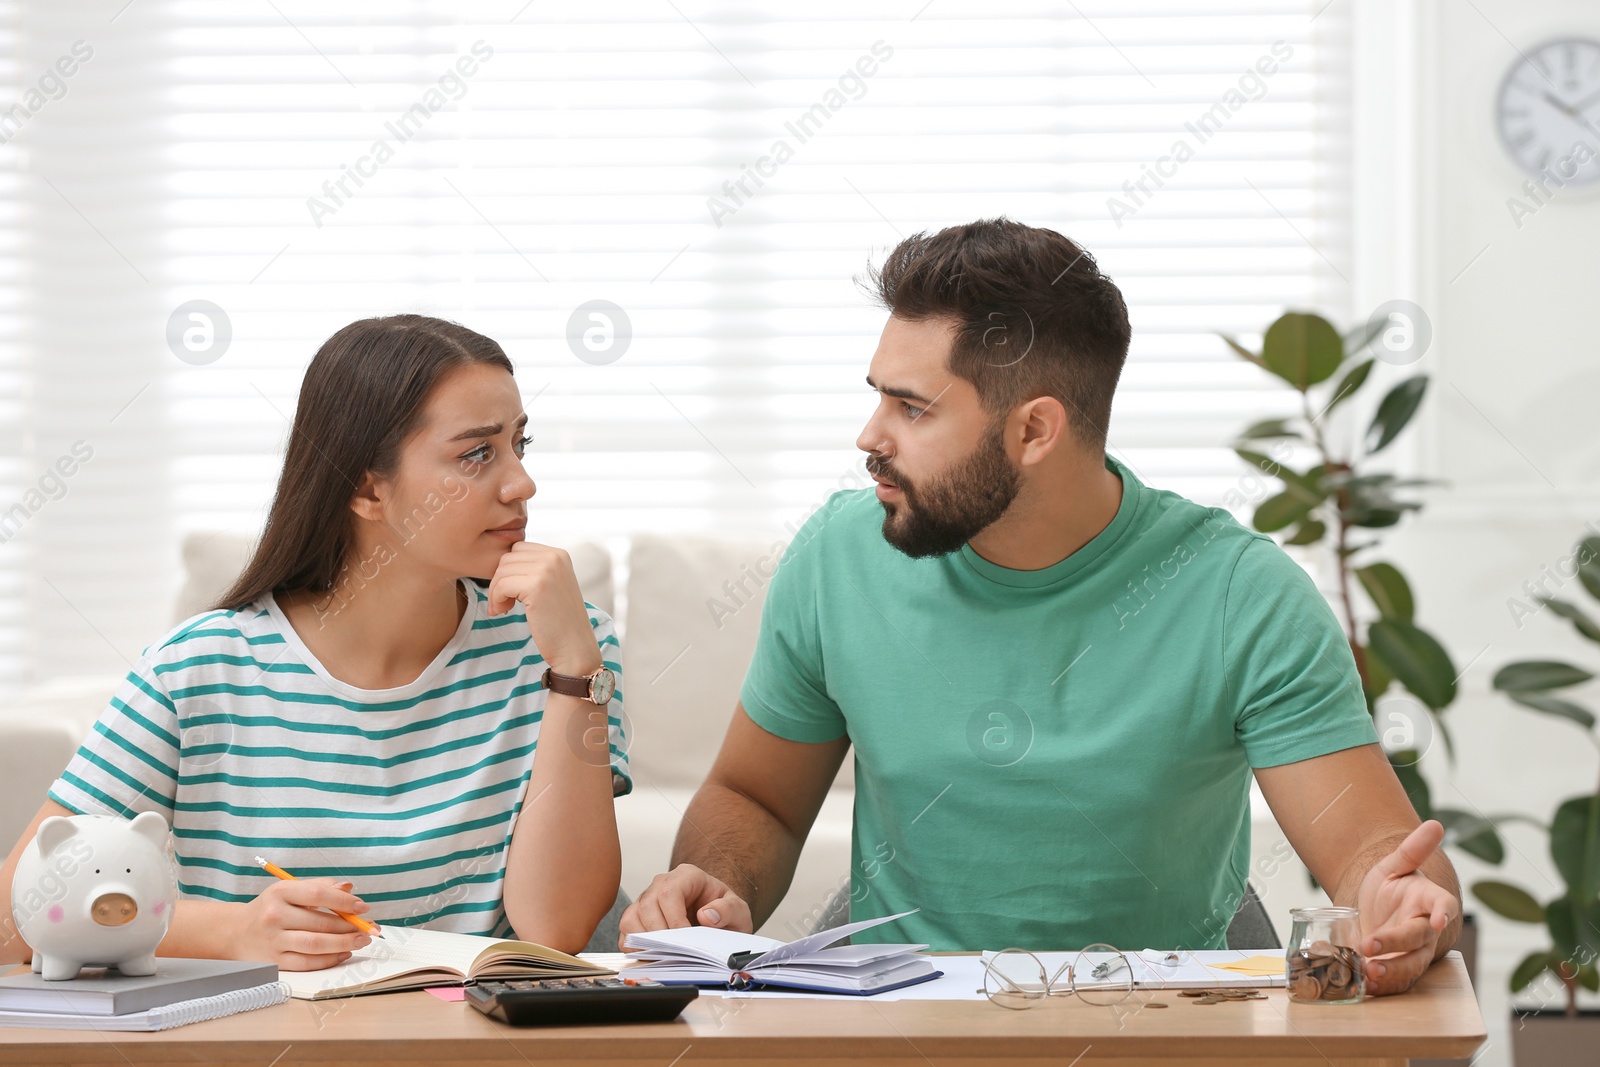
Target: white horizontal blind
502,163
15,455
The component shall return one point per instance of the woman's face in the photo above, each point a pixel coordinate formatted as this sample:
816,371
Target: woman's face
457,501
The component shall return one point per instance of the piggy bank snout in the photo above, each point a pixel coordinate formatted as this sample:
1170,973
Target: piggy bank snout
113,909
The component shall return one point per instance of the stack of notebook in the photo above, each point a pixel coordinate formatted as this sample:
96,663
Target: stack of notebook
181,991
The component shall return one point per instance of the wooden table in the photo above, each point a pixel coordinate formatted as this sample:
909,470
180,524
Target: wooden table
1437,1018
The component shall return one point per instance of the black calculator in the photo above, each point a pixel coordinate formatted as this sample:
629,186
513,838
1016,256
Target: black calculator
569,1001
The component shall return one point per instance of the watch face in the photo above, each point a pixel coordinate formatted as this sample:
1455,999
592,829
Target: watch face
1548,111
605,683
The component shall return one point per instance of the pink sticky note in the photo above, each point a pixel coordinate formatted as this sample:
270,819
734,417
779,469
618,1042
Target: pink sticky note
448,992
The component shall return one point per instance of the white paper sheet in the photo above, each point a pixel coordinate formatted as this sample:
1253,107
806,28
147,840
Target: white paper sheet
963,976
1195,969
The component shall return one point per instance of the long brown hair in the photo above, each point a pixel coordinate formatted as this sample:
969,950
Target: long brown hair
361,398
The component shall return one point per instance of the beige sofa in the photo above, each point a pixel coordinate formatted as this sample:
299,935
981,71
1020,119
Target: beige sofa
688,610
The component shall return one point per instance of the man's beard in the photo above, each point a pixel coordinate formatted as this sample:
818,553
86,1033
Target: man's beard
954,506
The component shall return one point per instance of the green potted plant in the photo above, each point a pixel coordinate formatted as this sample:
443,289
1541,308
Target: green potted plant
1572,918
1337,502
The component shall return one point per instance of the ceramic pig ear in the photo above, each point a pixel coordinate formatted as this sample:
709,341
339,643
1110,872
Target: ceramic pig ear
152,826
53,831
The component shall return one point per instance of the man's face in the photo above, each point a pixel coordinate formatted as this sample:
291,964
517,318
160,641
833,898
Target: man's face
938,457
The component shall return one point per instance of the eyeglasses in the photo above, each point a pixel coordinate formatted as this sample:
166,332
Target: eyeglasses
1101,974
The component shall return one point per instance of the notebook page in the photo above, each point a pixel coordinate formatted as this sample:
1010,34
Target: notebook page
398,951
813,942
704,943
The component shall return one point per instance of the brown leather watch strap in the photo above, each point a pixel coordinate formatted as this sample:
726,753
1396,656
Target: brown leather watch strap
567,684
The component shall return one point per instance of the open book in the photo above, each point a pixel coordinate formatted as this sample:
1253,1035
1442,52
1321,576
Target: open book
702,955
406,958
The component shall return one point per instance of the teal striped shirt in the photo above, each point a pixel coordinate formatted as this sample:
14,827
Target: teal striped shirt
233,731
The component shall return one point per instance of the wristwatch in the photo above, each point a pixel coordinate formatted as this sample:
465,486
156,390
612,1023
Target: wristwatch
595,688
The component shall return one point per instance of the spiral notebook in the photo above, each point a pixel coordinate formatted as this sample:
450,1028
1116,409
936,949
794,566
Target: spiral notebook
162,1018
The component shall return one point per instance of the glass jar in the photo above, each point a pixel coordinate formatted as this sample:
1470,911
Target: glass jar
1324,964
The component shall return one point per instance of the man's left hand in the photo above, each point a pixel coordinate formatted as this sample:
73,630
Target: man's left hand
1403,913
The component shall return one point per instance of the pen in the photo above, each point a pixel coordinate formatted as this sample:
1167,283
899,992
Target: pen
364,925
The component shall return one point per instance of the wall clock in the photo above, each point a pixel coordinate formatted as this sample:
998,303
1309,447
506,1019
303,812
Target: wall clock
1548,111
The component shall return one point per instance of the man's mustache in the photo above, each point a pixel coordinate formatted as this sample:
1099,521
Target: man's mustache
879,467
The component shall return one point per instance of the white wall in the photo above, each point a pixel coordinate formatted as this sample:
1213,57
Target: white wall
1509,423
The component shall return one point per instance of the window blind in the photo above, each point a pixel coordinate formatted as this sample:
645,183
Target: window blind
719,172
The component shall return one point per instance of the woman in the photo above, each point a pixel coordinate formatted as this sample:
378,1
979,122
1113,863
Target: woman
364,707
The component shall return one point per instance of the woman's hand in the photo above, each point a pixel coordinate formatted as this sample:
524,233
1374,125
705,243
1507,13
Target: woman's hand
284,925
542,578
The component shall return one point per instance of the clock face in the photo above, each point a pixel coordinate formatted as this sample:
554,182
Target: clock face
1549,111
605,684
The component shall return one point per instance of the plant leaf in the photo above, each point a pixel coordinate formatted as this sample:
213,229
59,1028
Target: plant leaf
1394,411
1307,486
1508,900
1266,464
1417,659
1585,625
1373,518
1269,428
1449,742
1404,763
1554,706
1363,335
1309,532
1388,589
1277,512
1532,966
1472,834
1243,351
1572,927
1349,384
1302,349
1517,816
1563,930
1589,565
1575,846
1379,676
1538,674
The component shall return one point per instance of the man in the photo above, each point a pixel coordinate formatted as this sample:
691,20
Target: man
1056,679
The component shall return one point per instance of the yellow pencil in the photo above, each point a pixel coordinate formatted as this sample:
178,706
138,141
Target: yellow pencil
364,925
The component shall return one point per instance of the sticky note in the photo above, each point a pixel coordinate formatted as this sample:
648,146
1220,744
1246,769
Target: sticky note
1254,966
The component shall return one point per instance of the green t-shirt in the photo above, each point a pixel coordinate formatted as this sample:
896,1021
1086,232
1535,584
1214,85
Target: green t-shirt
1057,757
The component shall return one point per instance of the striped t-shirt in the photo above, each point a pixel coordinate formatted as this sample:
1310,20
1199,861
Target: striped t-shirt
233,731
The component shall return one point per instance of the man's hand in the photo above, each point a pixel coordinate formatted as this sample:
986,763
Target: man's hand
670,899
1403,912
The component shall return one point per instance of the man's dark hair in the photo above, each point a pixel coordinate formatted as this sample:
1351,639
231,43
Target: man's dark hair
1034,316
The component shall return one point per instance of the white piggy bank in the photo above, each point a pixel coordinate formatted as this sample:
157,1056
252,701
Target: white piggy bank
95,891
